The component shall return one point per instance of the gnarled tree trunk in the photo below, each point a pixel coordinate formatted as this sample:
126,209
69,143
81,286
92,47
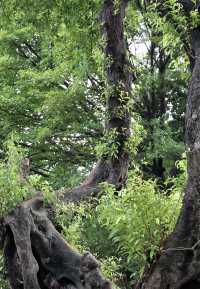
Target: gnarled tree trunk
179,264
36,255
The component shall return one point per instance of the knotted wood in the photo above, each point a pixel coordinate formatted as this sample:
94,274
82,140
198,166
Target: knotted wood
38,257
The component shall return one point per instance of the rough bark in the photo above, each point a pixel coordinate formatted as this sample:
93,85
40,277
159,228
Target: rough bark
178,267
112,170
37,257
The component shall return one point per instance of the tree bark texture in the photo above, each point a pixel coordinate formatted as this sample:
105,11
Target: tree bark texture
37,256
112,169
178,267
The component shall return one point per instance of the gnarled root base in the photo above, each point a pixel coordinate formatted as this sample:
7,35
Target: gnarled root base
38,257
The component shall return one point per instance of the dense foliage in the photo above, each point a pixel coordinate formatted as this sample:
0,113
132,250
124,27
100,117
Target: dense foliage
128,228
53,88
52,104
125,229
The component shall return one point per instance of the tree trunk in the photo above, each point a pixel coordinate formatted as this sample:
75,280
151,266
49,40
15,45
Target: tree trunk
112,169
37,257
179,264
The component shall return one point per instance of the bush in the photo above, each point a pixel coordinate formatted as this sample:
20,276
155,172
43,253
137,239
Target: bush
139,219
125,228
12,187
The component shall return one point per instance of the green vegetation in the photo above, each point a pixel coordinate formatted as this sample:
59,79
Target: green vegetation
128,227
125,230
53,95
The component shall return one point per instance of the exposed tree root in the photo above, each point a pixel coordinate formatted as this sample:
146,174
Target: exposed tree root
37,256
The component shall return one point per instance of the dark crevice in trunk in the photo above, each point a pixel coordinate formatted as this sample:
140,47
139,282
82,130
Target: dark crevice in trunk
12,261
191,285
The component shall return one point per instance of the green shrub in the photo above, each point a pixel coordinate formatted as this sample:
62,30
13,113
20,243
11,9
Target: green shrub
139,218
127,227
12,187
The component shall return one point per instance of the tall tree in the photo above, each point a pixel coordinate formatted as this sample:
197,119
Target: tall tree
159,95
113,165
178,265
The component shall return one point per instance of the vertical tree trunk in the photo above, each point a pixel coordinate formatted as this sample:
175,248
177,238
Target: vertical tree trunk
112,169
179,264
119,84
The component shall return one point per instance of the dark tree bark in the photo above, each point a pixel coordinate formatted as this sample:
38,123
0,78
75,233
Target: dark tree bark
178,267
112,170
37,257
